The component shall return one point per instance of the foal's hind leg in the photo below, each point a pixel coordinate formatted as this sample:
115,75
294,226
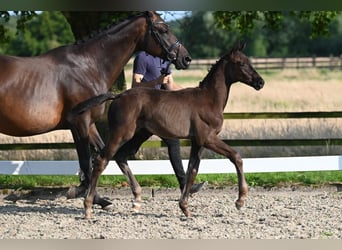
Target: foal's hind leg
121,156
218,146
98,144
100,163
191,173
133,183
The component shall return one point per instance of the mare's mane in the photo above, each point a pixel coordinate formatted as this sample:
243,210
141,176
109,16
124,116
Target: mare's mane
110,28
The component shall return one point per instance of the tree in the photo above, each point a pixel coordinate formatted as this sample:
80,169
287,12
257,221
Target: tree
245,21
44,32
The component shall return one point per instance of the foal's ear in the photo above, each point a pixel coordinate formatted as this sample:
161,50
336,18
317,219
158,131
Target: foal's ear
239,46
242,45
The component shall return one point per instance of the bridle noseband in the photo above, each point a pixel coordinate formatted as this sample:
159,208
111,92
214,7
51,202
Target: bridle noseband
168,49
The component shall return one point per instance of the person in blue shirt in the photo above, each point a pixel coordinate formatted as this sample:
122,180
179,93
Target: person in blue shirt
154,72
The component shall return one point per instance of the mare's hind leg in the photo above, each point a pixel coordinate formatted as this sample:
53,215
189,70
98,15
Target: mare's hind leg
191,173
97,142
82,142
121,156
218,146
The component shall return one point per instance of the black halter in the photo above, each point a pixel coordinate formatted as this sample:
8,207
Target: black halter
168,49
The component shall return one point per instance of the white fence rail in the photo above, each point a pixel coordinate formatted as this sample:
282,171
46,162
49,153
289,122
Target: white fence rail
161,167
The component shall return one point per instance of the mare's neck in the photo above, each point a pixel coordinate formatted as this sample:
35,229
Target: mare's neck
111,51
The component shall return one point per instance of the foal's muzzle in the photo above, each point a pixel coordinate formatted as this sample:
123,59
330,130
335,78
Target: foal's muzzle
258,83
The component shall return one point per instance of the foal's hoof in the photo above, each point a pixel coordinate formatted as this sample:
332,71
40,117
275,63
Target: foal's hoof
185,209
239,204
87,215
136,206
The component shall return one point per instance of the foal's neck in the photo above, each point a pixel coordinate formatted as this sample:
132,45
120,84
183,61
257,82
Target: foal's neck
217,83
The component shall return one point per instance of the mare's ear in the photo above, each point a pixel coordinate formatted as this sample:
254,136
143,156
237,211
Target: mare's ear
150,13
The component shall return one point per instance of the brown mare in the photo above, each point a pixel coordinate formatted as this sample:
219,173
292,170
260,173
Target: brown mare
37,93
194,113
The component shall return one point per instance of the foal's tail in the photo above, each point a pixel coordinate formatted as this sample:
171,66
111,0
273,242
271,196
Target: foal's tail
92,102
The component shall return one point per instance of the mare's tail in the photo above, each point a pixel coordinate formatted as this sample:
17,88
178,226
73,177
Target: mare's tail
92,102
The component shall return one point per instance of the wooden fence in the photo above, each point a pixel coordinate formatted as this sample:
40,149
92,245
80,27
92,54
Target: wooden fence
232,142
268,164
332,62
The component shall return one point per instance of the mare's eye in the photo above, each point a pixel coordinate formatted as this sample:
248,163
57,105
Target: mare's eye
163,28
241,64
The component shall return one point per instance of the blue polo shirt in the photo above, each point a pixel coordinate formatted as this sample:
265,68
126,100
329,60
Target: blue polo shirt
149,66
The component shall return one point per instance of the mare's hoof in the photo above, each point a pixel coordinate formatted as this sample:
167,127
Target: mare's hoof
197,187
105,204
74,192
186,212
109,207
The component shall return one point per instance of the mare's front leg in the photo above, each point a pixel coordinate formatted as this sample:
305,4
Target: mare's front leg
81,141
194,161
218,146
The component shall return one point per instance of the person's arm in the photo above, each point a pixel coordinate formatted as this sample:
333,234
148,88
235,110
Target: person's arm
170,84
137,78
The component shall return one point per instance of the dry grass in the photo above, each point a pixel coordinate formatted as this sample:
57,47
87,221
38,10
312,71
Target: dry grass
284,91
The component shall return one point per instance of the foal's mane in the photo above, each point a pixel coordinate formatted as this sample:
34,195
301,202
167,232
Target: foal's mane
113,27
213,68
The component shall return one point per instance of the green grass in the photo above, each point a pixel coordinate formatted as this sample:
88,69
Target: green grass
215,180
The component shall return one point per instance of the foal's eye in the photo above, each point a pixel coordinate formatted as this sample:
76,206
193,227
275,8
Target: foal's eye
241,64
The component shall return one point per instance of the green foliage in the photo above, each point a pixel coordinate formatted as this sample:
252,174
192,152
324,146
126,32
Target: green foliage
205,34
44,32
244,21
201,37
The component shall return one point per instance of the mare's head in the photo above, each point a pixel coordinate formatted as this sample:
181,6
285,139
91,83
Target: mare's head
240,68
160,41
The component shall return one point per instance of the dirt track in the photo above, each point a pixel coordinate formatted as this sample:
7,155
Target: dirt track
284,213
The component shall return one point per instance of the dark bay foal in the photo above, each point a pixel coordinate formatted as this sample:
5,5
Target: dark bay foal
194,113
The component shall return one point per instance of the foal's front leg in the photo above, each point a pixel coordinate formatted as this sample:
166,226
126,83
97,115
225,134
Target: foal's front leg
191,173
218,146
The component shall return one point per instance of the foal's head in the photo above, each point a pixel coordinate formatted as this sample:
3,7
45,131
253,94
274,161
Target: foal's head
240,68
